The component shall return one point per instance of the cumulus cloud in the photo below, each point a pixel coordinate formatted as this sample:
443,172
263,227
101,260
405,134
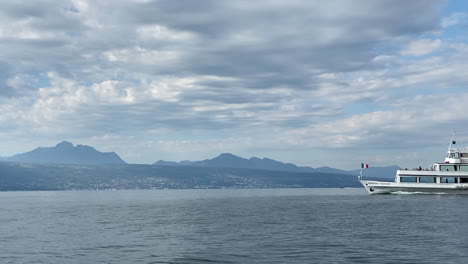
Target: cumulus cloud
282,75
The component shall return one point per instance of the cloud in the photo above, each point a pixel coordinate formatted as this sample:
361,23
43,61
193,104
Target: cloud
455,19
262,43
281,75
422,47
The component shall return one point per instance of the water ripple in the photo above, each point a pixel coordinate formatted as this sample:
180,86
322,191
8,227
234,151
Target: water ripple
272,226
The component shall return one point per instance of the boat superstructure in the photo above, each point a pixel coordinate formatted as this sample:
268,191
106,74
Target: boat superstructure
449,177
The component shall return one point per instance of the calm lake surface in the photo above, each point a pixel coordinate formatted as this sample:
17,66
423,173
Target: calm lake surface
232,226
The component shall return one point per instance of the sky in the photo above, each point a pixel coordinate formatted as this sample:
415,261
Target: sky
316,83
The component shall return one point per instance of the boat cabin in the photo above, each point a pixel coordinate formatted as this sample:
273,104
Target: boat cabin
453,170
457,156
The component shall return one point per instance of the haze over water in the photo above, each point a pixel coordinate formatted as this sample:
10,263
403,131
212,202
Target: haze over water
232,226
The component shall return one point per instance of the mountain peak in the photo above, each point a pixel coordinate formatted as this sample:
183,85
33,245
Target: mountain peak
64,144
227,155
65,153
228,160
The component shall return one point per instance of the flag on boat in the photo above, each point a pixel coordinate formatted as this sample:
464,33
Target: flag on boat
366,166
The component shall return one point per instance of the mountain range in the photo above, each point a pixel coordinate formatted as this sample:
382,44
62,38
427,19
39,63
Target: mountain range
228,160
69,167
66,153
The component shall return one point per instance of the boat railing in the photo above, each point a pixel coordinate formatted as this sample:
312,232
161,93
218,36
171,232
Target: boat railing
418,169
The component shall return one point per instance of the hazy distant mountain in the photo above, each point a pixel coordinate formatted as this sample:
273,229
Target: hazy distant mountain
66,153
227,160
87,171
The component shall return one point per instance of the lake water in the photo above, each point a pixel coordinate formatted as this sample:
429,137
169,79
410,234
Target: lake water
232,226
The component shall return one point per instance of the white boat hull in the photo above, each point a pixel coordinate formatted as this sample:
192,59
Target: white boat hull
380,187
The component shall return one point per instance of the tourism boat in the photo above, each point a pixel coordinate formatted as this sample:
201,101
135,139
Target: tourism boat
449,177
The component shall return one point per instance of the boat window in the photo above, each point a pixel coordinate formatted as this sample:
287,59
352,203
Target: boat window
463,167
464,155
427,179
447,167
447,180
463,180
407,179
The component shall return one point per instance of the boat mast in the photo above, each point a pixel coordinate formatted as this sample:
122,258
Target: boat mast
452,141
